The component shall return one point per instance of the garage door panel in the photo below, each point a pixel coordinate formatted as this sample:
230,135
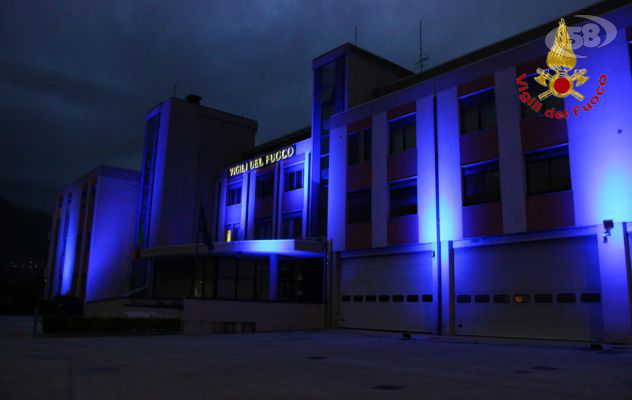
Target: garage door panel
566,268
400,275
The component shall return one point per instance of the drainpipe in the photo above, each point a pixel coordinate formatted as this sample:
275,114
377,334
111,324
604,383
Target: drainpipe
437,212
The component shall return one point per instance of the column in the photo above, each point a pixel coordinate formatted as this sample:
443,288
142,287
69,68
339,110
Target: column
273,277
511,161
379,180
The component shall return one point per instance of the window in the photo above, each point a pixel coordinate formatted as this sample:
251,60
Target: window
302,282
265,185
263,228
481,298
412,298
233,195
548,171
324,143
294,178
535,89
591,297
402,134
501,298
543,298
358,298
481,183
324,169
398,298
345,298
464,298
426,298
522,298
359,147
384,298
328,90
292,226
566,298
478,111
403,198
359,206
371,298
231,232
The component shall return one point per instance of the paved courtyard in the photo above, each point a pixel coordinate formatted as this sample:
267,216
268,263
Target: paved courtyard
305,365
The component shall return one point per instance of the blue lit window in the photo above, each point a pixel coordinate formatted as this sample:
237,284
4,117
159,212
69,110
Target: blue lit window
265,185
478,111
294,178
548,171
263,228
402,134
359,206
481,183
292,226
359,147
403,198
233,195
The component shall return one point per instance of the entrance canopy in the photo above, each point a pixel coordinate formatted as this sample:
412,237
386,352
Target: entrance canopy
285,247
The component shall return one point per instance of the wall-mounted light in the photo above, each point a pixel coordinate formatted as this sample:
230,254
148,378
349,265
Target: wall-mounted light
608,225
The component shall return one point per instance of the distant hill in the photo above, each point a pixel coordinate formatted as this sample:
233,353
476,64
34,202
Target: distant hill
23,234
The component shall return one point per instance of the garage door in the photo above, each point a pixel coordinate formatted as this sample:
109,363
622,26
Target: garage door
388,292
545,289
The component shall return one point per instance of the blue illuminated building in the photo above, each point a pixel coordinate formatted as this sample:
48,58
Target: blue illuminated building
434,202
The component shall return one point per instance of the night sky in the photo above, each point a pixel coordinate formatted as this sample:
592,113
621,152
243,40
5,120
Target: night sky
77,77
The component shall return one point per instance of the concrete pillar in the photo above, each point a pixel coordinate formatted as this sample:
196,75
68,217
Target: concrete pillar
616,285
450,197
511,161
379,180
249,229
426,193
336,217
273,277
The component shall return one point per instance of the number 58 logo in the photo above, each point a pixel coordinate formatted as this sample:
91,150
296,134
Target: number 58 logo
589,35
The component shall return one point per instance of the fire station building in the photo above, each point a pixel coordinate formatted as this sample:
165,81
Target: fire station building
437,202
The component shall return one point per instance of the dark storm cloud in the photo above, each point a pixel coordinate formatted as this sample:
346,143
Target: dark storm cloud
78,76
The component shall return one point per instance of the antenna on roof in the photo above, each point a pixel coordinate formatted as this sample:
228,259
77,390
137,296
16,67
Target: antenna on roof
174,90
422,58
356,34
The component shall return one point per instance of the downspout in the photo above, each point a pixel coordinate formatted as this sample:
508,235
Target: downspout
437,212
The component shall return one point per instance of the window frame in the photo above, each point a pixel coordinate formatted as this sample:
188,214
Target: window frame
402,124
399,185
263,181
363,137
360,217
233,194
475,101
548,156
291,177
484,199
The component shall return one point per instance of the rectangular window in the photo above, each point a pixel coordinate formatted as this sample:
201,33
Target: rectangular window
481,298
566,298
464,298
328,90
522,298
412,298
370,298
543,298
535,89
478,111
398,298
501,298
345,298
548,171
324,143
359,147
263,229
402,134
481,183
403,198
292,226
359,206
591,297
231,232
358,298
233,195
265,185
294,178
384,298
426,298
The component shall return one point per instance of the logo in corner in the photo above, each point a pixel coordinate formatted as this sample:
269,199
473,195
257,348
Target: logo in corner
561,60
561,79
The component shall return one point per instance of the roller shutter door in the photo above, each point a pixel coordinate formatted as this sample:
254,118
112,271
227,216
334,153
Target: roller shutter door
544,289
388,292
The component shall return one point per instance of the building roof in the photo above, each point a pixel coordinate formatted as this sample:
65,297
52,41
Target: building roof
499,47
365,54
